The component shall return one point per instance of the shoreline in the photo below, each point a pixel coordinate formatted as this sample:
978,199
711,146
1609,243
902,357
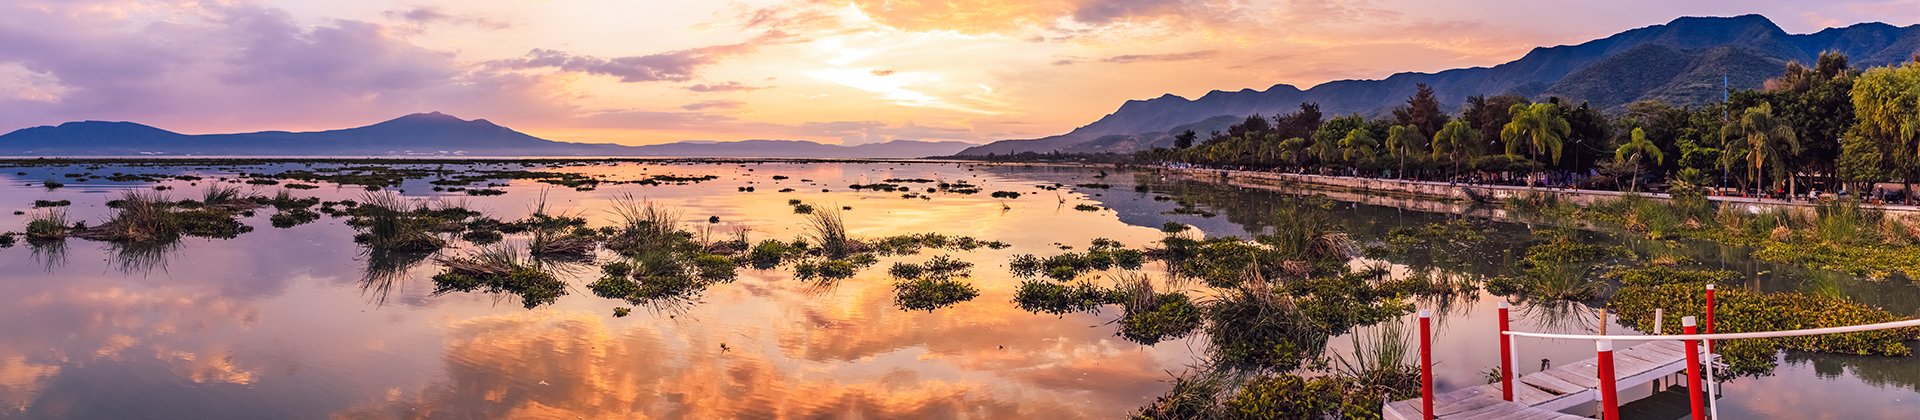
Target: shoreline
1489,193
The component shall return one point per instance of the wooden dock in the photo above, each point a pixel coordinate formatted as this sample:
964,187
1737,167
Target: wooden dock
1544,394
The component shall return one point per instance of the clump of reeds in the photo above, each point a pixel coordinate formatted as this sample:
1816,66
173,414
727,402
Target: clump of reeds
390,223
644,224
499,269
143,216
49,224
828,230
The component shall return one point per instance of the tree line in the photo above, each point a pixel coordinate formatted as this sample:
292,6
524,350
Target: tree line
1829,126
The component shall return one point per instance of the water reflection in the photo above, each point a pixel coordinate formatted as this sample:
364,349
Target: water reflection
294,323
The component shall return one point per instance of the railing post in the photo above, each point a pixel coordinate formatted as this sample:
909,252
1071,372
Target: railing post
1658,319
1506,356
1709,309
1694,395
1609,397
1713,407
1426,364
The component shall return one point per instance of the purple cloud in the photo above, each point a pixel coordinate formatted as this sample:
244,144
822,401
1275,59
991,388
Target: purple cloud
724,87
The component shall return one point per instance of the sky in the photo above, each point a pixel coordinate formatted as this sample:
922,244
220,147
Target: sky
833,71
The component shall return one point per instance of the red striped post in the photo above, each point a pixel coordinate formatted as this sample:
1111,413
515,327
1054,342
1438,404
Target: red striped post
1506,356
1426,364
1694,393
1709,309
1609,397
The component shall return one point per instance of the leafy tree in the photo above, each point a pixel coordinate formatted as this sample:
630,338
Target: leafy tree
1301,123
1884,104
1458,143
1489,114
1860,163
1422,111
1357,146
1817,103
1539,127
1765,142
1404,141
1630,152
1184,139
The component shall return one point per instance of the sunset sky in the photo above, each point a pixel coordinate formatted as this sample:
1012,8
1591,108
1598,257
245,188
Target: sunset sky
858,71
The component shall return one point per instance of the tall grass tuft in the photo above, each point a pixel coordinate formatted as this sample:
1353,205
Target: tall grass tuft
828,229
48,224
143,217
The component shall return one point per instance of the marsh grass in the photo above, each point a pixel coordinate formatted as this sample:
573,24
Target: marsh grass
392,223
827,229
48,225
499,269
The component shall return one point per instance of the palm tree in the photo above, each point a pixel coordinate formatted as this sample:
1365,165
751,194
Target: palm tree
1768,141
1457,141
1403,141
1540,126
1357,145
1638,145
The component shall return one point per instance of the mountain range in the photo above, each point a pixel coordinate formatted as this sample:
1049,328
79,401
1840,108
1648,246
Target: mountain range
424,134
1682,62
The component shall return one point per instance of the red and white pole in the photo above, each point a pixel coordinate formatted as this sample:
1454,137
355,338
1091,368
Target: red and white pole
1694,393
1426,364
1709,309
1506,356
1609,397
1713,406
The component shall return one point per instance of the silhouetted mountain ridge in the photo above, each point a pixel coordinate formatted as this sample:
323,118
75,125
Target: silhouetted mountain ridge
1682,61
430,134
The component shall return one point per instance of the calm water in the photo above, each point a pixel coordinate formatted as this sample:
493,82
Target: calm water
280,323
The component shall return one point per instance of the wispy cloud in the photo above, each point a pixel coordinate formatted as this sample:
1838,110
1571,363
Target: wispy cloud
1152,58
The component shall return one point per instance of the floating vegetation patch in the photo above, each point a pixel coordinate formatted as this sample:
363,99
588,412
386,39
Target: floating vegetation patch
294,217
40,204
1010,195
148,217
1103,254
1055,298
832,269
932,285
1087,207
1154,317
499,269
389,222
1683,291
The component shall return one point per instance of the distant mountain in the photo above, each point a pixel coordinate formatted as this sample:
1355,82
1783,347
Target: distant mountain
1681,62
426,134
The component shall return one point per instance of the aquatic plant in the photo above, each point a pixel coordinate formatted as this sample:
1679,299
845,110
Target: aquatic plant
1739,310
828,230
390,222
1103,254
770,253
293,217
939,268
47,225
39,204
930,293
482,237
1249,330
1161,317
1056,298
499,269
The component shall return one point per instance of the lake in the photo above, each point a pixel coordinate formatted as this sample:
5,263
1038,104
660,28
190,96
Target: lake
292,323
